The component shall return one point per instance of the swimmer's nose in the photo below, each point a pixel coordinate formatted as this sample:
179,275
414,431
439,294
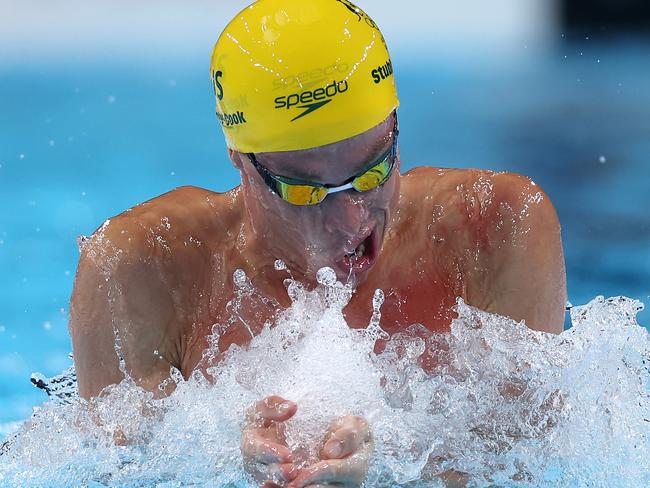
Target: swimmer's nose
346,212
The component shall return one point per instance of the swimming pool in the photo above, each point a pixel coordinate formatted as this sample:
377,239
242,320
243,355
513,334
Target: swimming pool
81,142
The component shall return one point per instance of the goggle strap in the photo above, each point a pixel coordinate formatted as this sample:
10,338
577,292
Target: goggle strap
337,189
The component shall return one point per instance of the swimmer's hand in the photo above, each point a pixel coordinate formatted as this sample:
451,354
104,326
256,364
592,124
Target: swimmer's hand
266,455
345,456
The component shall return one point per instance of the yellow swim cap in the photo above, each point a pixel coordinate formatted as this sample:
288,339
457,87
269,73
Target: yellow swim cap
297,74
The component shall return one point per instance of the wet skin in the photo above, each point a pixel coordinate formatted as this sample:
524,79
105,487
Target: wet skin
161,274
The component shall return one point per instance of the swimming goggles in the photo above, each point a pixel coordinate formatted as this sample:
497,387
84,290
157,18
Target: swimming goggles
302,192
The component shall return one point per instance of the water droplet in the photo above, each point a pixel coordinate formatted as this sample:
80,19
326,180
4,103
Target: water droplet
378,299
279,265
326,276
239,278
176,375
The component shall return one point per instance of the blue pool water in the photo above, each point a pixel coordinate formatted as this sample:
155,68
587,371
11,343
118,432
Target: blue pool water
81,142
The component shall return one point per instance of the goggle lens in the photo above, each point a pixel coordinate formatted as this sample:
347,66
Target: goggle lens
301,194
374,177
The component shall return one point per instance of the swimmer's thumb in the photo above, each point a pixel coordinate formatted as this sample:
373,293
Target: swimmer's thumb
276,408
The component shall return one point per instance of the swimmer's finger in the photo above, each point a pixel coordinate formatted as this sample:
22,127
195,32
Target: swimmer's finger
272,408
278,473
350,434
258,449
351,471
288,471
270,484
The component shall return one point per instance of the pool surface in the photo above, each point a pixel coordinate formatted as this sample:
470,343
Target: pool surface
80,142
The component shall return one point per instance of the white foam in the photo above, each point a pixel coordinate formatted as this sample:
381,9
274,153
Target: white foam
503,403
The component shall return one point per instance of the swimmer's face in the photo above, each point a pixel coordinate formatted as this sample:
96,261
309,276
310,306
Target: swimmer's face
347,229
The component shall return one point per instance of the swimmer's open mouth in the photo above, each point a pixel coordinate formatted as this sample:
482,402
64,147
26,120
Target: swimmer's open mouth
363,256
359,251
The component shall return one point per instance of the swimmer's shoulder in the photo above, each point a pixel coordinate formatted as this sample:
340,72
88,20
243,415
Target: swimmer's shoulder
443,184
471,202
187,215
446,192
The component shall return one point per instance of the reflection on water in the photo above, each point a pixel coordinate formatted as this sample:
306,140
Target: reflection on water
502,403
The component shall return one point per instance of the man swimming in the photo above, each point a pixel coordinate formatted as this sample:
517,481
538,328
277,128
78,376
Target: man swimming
307,100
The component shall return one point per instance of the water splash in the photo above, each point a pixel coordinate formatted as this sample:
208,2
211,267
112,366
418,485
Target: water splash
506,405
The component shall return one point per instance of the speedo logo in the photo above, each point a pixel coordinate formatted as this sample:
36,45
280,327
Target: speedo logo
311,78
311,100
382,72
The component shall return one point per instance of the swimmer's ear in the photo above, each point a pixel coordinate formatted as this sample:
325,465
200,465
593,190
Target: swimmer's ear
236,158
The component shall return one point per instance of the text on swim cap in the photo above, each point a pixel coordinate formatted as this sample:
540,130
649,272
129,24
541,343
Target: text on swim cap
228,120
382,72
308,96
312,100
359,13
307,79
218,89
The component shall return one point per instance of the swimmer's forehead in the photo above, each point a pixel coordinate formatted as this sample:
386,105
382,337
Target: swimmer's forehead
331,162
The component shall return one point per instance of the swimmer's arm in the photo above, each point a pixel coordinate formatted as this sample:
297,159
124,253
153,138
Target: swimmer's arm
119,289
523,269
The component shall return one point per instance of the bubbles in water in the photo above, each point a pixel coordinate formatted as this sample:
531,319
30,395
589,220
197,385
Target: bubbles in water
279,265
504,404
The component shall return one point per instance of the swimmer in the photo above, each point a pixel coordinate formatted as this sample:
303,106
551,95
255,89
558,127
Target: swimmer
306,97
